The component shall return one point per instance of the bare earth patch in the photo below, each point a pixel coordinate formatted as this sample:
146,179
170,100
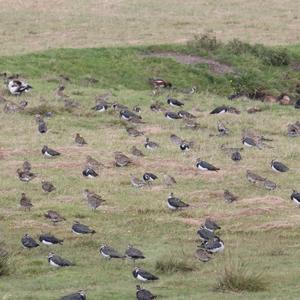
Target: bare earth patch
186,59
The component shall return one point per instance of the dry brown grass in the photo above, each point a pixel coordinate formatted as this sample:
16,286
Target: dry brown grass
27,26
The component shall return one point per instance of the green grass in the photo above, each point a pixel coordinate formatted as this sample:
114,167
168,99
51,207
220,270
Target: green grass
262,226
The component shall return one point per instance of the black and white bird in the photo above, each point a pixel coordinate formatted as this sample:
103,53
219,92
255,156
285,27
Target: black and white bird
174,102
48,152
250,142
205,166
28,242
277,166
205,234
47,186
219,110
109,252
296,197
89,173
172,115
134,253
214,245
185,146
79,228
143,275
186,114
142,294
175,203
57,261
18,87
128,115
149,177
49,239
150,144
80,295
100,107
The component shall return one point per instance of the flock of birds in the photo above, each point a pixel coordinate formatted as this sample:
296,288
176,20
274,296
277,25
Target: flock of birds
210,244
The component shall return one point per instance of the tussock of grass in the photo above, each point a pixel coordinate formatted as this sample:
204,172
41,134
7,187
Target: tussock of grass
42,109
173,265
238,277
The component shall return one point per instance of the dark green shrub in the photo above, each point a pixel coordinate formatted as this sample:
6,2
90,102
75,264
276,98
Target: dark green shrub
206,41
172,265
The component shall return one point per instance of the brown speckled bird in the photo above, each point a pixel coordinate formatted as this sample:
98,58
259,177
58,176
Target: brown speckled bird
25,202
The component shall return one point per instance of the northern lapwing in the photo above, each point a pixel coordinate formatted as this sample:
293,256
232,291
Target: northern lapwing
48,152
128,115
149,177
185,146
18,87
89,173
54,216
57,261
186,115
109,252
28,242
222,129
79,140
214,245
169,180
47,186
205,234
211,225
79,229
203,255
150,144
296,197
137,152
121,160
143,275
175,203
205,166
80,295
134,253
277,166
49,239
25,202
219,110
25,176
172,115
143,294
100,107
136,182
94,200
229,197
134,132
176,140
250,142
159,83
254,178
174,102
236,156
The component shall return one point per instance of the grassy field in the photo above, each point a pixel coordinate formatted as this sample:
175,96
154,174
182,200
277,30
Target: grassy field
27,26
260,230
